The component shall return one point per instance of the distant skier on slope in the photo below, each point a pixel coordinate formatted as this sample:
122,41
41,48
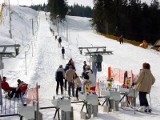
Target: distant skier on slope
55,37
63,52
121,39
59,41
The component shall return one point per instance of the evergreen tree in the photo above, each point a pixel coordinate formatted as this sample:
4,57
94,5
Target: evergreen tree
133,19
82,11
57,8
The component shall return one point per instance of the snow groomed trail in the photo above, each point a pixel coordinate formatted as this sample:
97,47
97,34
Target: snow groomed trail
50,58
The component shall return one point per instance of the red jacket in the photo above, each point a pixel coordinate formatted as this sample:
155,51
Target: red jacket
5,86
23,87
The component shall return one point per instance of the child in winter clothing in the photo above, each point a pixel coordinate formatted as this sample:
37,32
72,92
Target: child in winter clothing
77,83
91,79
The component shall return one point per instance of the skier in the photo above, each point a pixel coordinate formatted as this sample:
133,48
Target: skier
84,66
121,39
124,81
63,52
59,41
84,69
60,74
69,77
71,62
78,84
143,85
55,37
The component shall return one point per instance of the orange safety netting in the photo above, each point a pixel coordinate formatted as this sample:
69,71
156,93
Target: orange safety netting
118,74
32,95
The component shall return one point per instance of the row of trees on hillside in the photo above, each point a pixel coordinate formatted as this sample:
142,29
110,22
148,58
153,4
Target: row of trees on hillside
60,7
77,10
57,8
40,7
133,19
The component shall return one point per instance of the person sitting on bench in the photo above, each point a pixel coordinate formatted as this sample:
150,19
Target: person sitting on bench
5,86
21,89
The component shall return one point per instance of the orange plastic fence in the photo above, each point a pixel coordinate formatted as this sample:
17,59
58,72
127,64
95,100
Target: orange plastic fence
118,74
32,95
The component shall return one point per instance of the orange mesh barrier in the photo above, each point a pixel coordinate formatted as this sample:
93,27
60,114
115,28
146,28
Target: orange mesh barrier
118,75
32,95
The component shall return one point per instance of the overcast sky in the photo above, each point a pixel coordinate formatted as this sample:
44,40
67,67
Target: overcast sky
70,2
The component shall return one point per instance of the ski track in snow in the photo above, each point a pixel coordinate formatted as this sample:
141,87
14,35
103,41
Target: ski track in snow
72,51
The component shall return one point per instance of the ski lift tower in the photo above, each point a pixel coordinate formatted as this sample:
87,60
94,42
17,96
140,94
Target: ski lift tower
13,51
96,57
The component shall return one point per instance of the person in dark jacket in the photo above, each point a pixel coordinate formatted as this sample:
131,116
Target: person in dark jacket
63,52
84,66
60,74
59,41
121,39
55,37
84,69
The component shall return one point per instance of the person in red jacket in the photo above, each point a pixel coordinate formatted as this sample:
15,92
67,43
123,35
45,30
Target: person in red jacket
21,88
5,86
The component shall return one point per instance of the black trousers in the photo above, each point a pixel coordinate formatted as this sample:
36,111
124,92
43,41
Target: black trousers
65,85
143,99
59,82
77,89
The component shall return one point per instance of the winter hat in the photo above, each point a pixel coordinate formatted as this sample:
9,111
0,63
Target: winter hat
60,66
18,80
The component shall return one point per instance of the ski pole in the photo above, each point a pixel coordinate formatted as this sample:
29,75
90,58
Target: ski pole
134,100
150,101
